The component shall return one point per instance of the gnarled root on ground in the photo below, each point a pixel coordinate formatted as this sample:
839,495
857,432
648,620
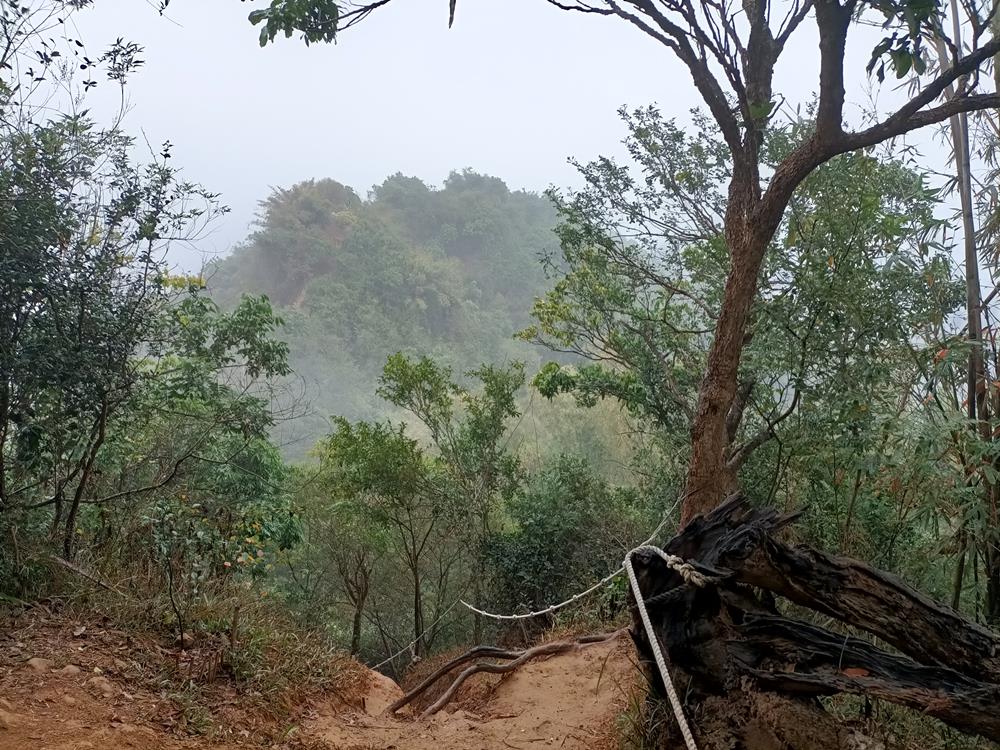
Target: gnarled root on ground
513,659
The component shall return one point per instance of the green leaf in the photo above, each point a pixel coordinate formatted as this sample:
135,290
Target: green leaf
901,61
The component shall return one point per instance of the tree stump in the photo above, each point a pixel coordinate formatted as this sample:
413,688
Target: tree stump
751,675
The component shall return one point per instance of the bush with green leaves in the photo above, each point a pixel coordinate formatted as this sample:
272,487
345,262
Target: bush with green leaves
567,529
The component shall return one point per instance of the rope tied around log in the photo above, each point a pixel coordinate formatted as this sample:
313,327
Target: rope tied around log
664,520
684,569
690,575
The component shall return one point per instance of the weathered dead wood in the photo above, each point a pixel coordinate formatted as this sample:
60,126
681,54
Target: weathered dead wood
797,658
877,602
722,634
517,659
849,590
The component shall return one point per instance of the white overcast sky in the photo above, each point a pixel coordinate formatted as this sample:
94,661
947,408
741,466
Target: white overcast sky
515,88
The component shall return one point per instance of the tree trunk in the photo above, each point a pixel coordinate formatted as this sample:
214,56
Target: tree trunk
57,515
977,383
356,628
477,620
709,478
418,615
959,579
69,537
993,577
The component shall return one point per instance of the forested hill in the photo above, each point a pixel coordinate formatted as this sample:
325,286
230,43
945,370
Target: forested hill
448,272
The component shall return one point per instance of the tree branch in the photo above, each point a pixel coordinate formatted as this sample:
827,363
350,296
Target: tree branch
741,454
897,125
832,20
675,38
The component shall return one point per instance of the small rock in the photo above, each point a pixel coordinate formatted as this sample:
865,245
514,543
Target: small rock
69,700
102,685
43,696
38,664
7,719
186,640
70,669
78,632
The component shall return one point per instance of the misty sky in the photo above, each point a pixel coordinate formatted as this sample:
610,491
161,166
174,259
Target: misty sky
515,88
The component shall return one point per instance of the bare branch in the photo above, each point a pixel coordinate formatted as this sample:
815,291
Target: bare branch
581,8
909,116
896,126
767,432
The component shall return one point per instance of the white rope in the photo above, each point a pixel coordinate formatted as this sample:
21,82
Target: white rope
600,584
684,569
677,564
554,608
654,642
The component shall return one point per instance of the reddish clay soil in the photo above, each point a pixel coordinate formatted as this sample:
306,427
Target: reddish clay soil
102,689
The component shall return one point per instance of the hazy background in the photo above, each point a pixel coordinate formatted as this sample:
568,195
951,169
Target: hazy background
512,90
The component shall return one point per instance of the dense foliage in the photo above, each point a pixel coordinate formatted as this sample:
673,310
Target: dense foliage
449,272
436,458
134,413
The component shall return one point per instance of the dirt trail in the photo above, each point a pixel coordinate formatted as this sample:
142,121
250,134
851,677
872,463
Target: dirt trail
82,695
569,701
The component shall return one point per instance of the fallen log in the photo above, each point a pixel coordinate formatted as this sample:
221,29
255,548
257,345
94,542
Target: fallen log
730,633
796,658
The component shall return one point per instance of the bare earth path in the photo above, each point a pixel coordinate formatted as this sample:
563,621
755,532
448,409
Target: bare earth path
82,698
569,701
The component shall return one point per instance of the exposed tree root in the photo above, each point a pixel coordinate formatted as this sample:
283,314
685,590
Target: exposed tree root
516,658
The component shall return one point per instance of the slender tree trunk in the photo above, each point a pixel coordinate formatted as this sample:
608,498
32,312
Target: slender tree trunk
418,614
477,621
57,514
977,384
956,591
357,590
477,581
69,536
69,546
992,558
4,424
356,628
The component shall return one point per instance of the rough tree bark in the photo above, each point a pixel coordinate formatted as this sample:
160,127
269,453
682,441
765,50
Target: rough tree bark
752,674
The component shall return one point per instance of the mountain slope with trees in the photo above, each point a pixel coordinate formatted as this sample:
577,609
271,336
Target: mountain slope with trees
449,272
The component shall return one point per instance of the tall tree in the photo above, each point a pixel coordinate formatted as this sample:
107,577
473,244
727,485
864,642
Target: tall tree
850,282
731,52
471,432
384,474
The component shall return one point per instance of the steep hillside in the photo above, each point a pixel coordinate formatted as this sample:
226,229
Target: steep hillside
449,272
